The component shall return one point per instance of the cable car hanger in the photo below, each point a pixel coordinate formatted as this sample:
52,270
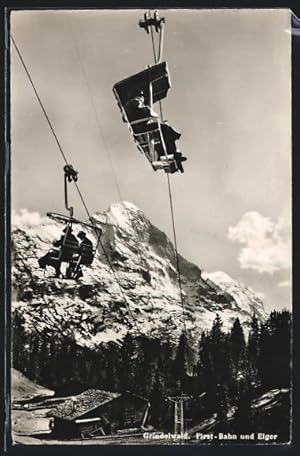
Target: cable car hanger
70,175
155,22
136,95
67,249
149,21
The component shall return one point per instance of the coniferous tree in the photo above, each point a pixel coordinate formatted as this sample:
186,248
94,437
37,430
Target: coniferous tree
216,332
146,364
128,354
157,402
205,363
112,363
275,351
202,361
220,352
237,341
165,365
214,362
222,407
180,361
45,362
18,341
253,347
242,420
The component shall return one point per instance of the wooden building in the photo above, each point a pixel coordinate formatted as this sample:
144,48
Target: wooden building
98,412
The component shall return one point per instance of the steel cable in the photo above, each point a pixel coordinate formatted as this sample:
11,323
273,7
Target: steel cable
76,185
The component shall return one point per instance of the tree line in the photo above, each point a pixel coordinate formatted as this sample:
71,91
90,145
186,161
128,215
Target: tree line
230,372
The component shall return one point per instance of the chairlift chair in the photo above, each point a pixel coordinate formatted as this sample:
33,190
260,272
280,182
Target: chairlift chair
68,251
65,249
154,82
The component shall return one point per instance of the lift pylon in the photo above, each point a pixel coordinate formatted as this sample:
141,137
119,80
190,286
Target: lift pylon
178,402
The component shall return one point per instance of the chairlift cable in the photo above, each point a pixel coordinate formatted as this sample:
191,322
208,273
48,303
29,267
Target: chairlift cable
77,187
170,193
156,60
176,252
86,79
106,256
40,101
152,39
153,44
161,41
98,123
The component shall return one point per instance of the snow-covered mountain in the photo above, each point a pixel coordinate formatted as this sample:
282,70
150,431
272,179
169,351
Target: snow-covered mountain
94,309
247,301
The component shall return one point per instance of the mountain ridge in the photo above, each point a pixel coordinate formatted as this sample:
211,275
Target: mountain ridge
95,309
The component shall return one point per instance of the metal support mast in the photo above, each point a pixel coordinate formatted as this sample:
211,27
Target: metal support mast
178,402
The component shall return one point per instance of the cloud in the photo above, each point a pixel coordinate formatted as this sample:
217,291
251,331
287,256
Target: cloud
36,224
284,283
24,218
265,244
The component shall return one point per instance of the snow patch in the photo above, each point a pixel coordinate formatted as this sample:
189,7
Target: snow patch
101,314
218,277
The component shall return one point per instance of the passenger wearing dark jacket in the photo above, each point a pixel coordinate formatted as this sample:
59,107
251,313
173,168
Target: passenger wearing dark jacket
85,254
66,246
85,249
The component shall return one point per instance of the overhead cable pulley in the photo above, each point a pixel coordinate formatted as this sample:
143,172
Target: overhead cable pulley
70,175
152,21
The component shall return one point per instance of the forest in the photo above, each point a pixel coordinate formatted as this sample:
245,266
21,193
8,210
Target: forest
230,372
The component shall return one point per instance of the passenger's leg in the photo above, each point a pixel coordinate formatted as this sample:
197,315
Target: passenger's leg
43,261
180,167
77,272
169,132
57,268
173,167
171,147
48,259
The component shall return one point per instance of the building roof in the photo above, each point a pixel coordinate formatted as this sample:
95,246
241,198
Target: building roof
79,405
142,398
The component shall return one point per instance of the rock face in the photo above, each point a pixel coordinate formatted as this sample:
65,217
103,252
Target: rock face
140,294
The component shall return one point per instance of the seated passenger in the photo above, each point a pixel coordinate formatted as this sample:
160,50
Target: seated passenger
137,109
52,258
179,158
66,247
85,255
170,136
85,249
68,243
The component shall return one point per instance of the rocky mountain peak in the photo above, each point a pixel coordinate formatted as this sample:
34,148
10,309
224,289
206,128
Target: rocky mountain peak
123,215
132,285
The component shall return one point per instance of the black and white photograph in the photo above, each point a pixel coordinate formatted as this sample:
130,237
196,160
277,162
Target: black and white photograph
151,201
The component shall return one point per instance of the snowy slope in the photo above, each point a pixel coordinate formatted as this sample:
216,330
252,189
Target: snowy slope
22,388
246,299
95,310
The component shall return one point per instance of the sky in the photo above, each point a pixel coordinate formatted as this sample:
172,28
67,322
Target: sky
230,98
